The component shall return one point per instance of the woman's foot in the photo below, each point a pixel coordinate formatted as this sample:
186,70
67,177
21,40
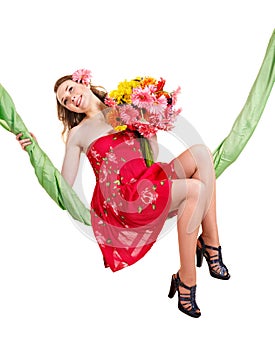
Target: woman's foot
186,296
212,252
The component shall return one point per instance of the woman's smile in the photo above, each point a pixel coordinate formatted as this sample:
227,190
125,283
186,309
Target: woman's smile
78,101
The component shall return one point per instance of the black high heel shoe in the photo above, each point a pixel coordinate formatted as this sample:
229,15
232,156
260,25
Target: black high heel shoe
190,306
216,266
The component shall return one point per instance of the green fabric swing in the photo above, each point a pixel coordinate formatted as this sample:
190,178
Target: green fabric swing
224,155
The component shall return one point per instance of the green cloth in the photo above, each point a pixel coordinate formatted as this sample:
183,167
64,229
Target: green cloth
231,147
225,154
48,176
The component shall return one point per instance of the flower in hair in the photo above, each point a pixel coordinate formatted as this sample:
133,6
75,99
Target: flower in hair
82,76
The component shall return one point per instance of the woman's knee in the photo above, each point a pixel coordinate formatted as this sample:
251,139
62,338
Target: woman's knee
201,153
197,158
195,189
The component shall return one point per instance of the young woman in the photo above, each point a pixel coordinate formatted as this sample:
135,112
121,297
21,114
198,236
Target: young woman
131,200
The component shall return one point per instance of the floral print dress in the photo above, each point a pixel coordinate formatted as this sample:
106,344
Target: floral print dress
130,202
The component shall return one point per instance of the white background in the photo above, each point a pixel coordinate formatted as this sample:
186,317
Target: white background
54,291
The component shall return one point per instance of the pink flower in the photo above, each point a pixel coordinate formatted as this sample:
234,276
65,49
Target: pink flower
110,102
162,122
175,96
142,98
146,129
177,112
82,76
128,114
152,88
158,106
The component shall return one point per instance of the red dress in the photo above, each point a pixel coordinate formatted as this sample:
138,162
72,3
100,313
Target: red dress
130,202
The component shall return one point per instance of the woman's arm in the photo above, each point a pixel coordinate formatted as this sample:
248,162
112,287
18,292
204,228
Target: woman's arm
154,145
71,160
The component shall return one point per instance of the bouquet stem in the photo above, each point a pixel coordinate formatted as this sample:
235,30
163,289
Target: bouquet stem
146,150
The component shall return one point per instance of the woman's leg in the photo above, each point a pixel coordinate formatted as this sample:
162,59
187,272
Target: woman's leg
197,163
188,196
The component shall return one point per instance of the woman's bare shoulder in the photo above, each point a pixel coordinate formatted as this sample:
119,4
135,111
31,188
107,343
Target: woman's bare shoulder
73,136
86,132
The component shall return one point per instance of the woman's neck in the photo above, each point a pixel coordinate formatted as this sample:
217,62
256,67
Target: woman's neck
96,107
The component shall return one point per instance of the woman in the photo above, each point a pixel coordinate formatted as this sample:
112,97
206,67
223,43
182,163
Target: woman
131,201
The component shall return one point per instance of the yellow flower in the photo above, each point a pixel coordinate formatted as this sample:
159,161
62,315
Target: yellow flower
120,128
124,91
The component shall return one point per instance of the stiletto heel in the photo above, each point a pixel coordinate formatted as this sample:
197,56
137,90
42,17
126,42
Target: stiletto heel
216,266
189,307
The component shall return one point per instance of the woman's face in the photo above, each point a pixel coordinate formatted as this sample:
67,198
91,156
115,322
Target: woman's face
75,97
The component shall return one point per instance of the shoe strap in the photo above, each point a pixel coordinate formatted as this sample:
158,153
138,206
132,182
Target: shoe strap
208,246
214,259
181,284
213,248
189,298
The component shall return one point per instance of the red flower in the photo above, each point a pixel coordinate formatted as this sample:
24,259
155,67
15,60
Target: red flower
131,127
161,84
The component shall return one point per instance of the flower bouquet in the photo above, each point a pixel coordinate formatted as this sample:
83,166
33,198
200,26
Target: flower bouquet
143,105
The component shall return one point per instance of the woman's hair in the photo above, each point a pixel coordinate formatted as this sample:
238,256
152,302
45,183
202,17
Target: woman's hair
69,118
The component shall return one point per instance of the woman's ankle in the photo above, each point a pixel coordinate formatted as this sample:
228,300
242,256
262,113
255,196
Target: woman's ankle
211,239
189,279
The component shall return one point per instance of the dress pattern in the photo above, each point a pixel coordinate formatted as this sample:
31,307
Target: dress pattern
130,202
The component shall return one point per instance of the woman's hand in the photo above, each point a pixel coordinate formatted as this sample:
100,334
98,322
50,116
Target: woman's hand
25,142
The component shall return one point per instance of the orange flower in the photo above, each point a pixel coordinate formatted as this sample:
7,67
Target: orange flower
113,117
147,81
164,93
